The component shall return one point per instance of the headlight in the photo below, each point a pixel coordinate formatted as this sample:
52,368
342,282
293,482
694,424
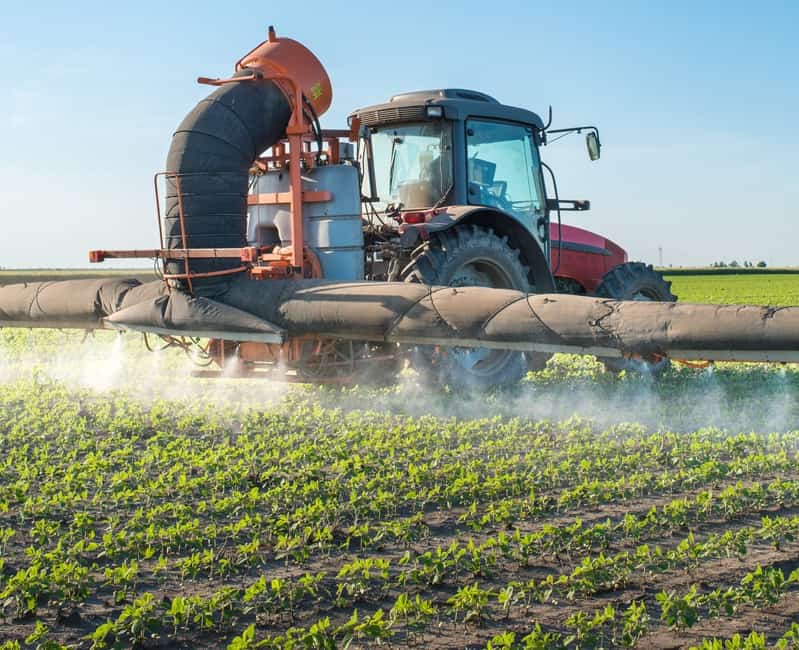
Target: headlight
435,111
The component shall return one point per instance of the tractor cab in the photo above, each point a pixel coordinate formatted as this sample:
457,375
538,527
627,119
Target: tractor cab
453,194
426,150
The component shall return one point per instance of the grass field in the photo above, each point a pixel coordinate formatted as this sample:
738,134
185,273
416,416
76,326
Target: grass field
777,289
141,507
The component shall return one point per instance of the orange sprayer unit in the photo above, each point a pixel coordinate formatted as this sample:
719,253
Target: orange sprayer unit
304,81
296,68
306,88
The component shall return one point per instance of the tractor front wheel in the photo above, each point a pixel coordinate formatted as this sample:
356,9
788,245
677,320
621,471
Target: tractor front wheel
470,256
636,281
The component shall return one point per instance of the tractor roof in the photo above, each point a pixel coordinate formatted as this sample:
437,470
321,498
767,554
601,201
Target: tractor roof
458,104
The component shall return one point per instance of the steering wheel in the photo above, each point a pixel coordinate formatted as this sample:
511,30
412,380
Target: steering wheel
498,191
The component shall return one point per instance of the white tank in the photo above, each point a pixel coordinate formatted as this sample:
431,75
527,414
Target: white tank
333,229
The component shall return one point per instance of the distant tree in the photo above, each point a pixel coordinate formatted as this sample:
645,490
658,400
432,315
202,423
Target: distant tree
722,264
761,264
734,264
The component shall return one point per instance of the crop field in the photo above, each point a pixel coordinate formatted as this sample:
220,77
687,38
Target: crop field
753,288
140,507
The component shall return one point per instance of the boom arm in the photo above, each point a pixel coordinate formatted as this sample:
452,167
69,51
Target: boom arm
278,310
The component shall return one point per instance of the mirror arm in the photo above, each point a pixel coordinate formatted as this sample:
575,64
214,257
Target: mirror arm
542,132
576,129
573,129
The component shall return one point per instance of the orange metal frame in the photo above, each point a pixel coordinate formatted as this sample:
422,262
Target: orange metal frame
252,357
330,150
281,262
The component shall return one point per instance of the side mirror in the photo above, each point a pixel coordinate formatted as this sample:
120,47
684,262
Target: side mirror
593,145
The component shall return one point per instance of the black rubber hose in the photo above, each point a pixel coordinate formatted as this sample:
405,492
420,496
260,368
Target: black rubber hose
212,150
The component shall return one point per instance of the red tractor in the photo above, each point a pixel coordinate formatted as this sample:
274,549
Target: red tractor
454,193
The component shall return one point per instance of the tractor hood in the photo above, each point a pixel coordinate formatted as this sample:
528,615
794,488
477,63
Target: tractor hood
584,241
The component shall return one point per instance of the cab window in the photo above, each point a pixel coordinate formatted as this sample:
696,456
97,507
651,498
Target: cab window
503,169
413,163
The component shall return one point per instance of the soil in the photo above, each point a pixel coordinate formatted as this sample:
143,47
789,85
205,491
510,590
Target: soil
70,627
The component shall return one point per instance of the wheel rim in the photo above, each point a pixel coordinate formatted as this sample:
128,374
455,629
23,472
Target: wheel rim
481,272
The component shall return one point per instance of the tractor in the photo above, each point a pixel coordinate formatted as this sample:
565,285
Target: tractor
454,193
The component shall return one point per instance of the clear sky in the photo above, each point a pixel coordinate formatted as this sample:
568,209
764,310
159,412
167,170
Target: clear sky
696,104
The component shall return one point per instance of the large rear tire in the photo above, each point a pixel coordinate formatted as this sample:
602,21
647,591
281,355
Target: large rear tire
636,281
470,256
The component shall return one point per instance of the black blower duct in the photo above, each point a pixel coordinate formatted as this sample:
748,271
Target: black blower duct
215,145
212,151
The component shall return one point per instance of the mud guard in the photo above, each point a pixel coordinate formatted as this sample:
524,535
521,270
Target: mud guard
503,224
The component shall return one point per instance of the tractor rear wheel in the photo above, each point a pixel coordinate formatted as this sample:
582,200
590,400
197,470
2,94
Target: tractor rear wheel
636,281
470,256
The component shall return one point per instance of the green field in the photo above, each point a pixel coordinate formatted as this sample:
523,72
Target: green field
775,289
141,507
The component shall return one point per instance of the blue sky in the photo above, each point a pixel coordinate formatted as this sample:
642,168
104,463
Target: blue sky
696,104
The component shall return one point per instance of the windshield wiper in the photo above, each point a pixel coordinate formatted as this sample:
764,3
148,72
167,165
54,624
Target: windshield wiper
394,142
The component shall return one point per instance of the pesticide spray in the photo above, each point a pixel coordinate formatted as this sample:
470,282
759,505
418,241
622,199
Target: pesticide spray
734,397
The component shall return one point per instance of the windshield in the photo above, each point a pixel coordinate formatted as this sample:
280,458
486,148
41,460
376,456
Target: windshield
412,163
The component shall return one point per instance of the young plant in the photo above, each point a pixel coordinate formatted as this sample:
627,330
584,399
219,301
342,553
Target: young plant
679,612
472,602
